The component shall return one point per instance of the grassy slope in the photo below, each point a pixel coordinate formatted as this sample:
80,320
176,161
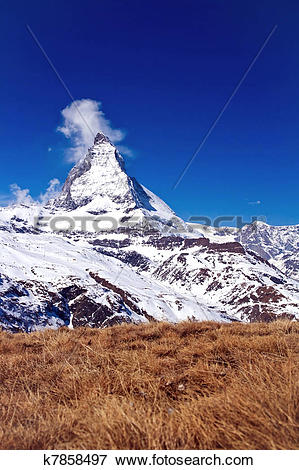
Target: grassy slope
188,386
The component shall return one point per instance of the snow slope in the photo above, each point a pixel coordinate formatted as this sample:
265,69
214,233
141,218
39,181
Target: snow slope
154,268
277,244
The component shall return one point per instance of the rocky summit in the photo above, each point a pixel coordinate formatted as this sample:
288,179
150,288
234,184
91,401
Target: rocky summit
98,184
148,265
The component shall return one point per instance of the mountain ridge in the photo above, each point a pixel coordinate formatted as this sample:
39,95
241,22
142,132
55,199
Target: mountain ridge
277,244
151,266
98,184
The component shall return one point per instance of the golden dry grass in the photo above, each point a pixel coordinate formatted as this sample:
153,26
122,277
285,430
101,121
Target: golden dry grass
154,386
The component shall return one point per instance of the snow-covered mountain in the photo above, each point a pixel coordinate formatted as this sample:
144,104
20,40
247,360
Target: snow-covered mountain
99,185
150,266
277,244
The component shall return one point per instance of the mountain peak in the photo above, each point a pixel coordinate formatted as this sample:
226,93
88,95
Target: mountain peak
98,184
98,180
100,138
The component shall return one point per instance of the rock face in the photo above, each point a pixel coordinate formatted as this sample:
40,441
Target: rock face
277,244
154,269
98,182
30,306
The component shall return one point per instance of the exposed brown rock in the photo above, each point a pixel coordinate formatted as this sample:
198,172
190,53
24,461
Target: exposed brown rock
127,298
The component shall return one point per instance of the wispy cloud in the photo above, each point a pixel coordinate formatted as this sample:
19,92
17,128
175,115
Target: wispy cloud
82,119
19,196
52,190
254,203
5,199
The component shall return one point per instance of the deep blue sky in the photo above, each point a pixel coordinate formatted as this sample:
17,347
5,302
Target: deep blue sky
163,70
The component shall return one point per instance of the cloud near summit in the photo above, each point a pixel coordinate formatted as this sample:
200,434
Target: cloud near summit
82,119
22,196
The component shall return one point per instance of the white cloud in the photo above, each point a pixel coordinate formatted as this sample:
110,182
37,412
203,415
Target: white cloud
22,196
49,149
51,191
123,149
5,199
254,203
83,119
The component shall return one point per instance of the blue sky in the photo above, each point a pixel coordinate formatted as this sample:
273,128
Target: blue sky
162,71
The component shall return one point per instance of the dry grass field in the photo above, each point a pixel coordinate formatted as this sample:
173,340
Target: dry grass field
153,386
